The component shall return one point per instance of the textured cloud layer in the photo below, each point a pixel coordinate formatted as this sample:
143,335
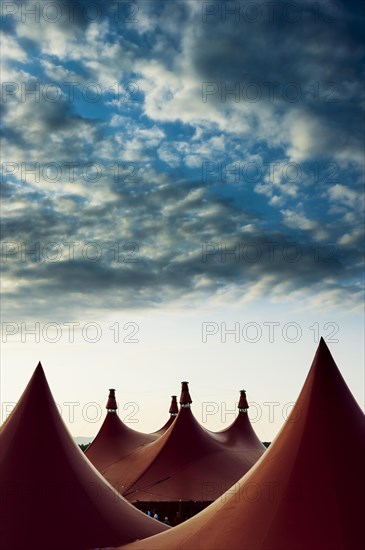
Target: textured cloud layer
199,151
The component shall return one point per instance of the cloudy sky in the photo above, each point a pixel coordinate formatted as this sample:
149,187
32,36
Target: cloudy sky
182,198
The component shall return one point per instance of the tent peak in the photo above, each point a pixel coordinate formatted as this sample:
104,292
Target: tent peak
59,491
39,376
111,405
316,502
242,404
185,399
322,346
174,409
323,355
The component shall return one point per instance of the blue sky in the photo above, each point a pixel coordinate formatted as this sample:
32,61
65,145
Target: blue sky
177,167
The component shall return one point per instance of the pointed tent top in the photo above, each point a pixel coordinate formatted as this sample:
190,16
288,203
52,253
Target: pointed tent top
38,372
240,434
111,405
114,439
174,409
323,354
54,485
316,498
242,404
185,399
186,451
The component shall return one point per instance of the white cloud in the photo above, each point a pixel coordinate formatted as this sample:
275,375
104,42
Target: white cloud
344,195
58,72
10,49
303,131
353,237
168,155
295,220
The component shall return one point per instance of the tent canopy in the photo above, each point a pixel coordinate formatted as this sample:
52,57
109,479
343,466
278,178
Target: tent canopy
240,434
174,411
115,439
186,463
51,497
307,490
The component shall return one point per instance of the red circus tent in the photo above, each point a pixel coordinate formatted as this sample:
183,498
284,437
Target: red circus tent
240,434
114,440
306,492
51,497
174,411
187,463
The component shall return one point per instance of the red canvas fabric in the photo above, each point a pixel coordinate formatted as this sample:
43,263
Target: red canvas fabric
240,434
305,493
51,497
174,409
114,441
186,463
166,426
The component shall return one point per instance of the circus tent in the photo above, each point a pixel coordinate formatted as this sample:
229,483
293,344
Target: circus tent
115,439
240,434
307,490
51,496
174,411
186,464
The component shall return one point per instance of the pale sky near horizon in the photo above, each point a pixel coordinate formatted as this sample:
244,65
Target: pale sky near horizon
170,349
172,171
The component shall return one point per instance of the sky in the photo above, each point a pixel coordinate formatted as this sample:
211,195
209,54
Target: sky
182,199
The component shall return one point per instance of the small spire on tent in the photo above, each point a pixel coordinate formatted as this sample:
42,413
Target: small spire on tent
242,404
185,399
111,405
174,409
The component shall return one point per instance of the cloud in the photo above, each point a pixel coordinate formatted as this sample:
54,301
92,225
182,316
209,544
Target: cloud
187,243
343,195
150,201
11,49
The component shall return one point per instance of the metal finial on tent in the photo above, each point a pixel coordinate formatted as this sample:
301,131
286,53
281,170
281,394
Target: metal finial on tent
111,405
174,409
242,404
185,399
